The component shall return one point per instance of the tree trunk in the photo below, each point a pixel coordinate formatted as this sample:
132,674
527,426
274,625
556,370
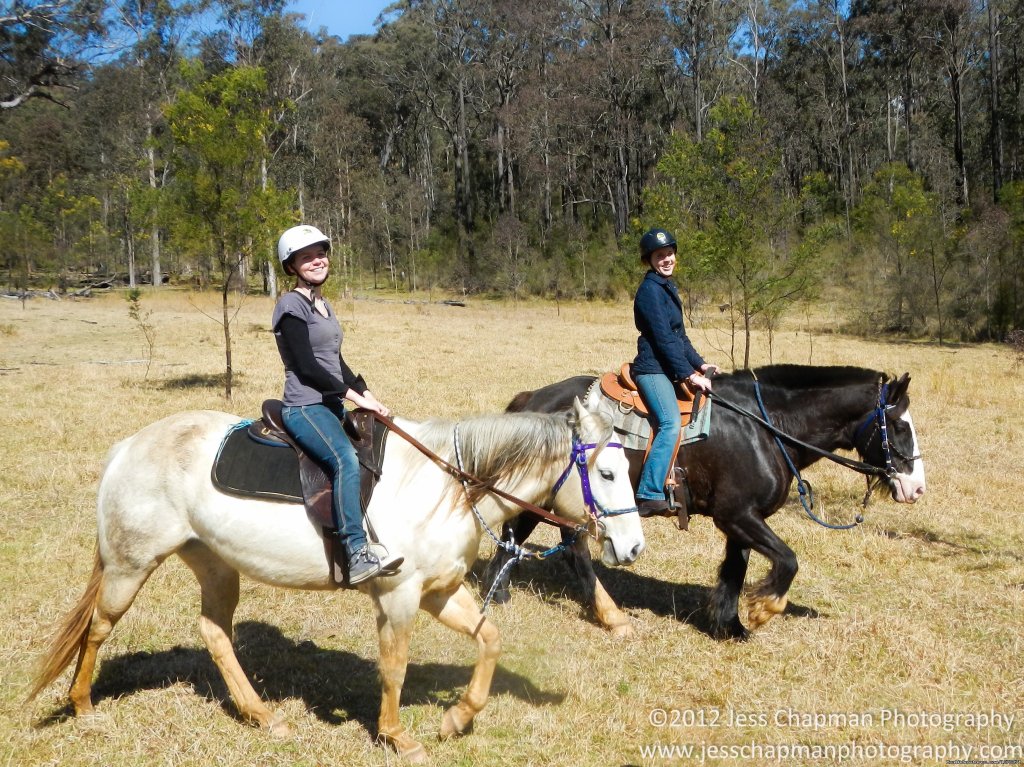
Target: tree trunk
154,228
226,320
995,132
850,190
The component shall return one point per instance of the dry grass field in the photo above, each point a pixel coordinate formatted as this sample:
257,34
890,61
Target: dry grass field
902,643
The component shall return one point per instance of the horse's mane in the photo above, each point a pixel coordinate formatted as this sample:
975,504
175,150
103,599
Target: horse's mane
812,376
506,446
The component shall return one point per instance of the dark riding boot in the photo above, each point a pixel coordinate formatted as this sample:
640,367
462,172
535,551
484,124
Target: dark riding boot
652,507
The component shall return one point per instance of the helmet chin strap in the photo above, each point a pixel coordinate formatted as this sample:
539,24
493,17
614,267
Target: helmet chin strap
301,282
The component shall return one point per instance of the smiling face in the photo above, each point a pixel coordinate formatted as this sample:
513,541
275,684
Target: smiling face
663,260
311,264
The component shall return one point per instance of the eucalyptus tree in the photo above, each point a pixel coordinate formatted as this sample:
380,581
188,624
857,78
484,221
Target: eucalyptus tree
814,114
219,205
700,34
895,221
722,197
763,25
955,36
44,46
506,37
449,84
620,44
156,31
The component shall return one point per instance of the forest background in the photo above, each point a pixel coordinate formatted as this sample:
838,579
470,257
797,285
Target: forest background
866,149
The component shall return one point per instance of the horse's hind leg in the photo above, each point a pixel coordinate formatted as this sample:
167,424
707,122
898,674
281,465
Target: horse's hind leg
219,584
723,607
458,611
118,588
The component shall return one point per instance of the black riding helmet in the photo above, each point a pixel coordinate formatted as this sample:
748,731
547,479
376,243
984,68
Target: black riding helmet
653,240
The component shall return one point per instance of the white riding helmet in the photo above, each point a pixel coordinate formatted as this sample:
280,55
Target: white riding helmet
299,237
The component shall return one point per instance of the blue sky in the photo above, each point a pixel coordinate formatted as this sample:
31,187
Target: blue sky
341,17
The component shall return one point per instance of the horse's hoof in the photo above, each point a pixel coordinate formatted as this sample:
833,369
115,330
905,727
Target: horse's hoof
409,750
415,754
451,726
764,609
93,721
278,727
734,631
622,631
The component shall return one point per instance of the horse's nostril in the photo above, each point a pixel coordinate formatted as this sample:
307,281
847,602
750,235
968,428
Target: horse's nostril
635,553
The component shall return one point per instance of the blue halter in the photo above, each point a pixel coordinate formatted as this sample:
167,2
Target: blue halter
877,417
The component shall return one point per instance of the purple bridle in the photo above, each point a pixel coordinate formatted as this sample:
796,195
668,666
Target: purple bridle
578,458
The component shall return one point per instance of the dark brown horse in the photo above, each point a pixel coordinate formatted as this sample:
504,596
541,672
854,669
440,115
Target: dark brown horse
740,475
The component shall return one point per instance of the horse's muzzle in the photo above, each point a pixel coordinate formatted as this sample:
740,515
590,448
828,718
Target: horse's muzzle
906,488
610,557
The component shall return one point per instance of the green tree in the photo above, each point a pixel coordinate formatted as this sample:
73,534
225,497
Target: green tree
721,196
1008,312
895,225
219,203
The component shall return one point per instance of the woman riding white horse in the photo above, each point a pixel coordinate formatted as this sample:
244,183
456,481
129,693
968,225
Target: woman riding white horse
156,498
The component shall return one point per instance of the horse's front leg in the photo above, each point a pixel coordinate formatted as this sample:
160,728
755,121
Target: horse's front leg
768,597
458,611
606,611
395,614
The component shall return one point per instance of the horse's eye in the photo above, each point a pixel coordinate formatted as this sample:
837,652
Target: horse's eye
607,475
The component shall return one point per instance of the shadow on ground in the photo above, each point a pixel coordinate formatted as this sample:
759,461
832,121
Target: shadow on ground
335,685
682,602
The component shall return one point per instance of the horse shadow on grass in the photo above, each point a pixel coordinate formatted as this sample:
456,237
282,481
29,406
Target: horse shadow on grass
682,602
335,685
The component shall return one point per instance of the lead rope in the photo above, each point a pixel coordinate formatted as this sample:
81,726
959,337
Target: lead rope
516,552
803,487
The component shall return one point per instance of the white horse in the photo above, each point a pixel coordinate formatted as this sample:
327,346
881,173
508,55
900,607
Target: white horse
156,499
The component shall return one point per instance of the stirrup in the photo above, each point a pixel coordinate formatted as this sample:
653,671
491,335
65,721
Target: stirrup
389,565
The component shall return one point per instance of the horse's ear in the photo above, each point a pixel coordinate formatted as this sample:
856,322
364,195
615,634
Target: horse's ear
898,390
579,409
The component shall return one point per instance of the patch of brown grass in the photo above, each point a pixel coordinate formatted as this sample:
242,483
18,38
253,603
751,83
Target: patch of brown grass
917,610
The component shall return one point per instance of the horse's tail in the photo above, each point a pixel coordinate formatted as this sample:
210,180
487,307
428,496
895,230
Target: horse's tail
519,402
68,640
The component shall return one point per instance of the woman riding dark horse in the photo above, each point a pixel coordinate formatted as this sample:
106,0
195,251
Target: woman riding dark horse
665,358
739,476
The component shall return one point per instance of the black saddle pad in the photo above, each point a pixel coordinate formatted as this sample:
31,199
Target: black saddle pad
246,467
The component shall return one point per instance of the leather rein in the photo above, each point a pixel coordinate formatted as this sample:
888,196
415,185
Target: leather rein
577,458
873,474
850,463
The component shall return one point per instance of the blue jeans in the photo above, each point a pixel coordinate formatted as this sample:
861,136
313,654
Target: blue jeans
318,431
659,394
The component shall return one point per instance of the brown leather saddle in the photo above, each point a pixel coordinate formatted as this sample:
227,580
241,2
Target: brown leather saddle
621,387
367,436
